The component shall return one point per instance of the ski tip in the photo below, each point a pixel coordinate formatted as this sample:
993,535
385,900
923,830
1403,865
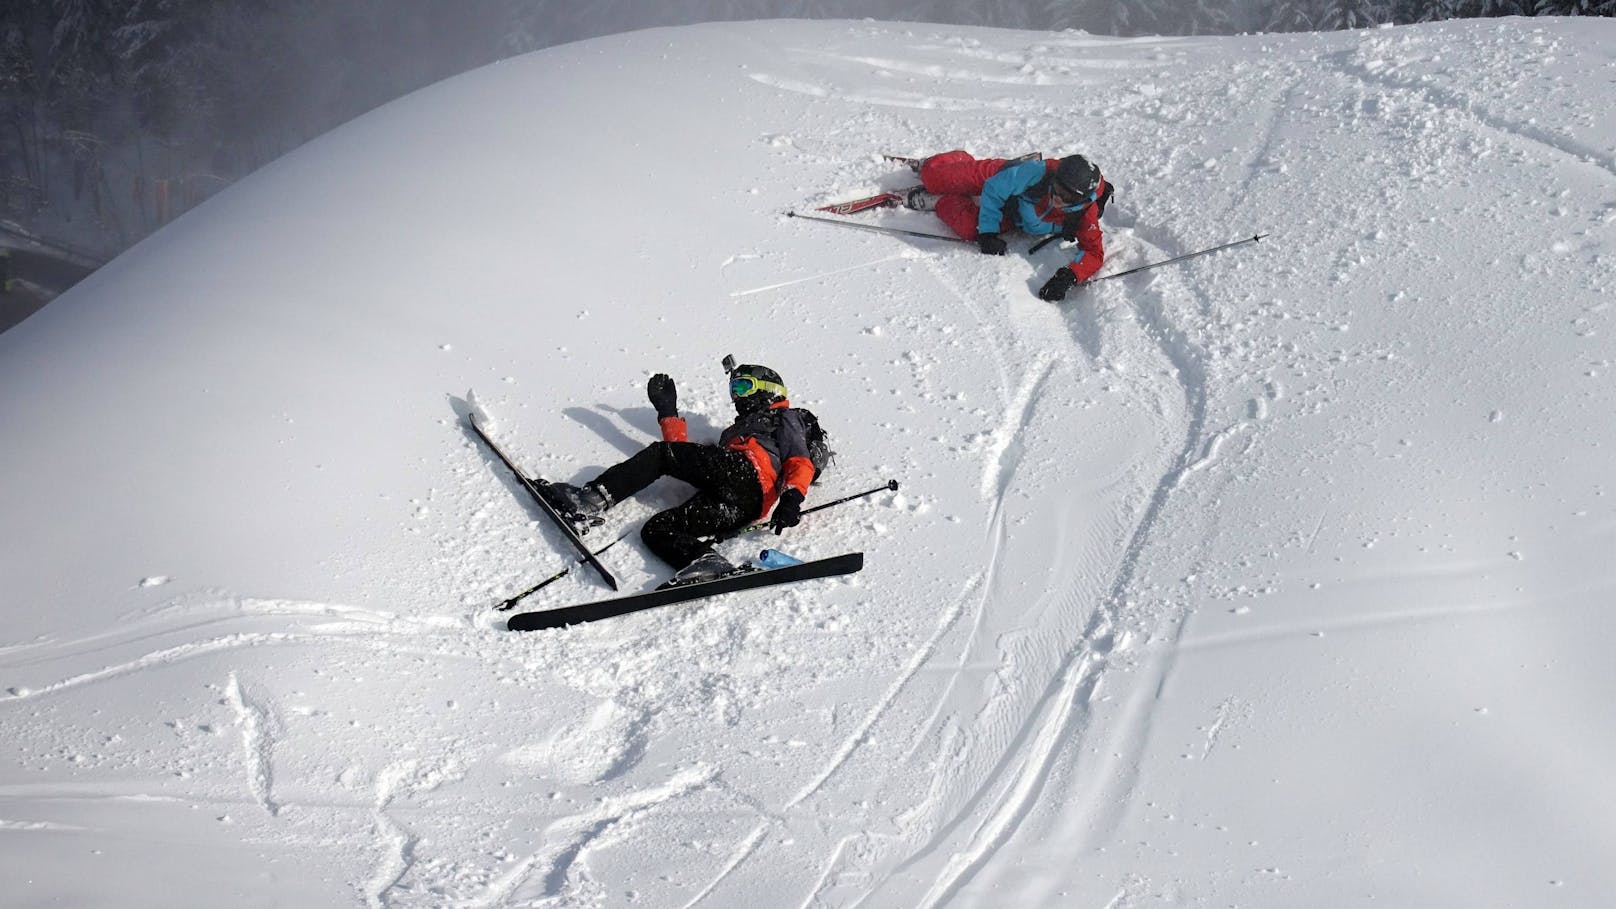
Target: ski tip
474,409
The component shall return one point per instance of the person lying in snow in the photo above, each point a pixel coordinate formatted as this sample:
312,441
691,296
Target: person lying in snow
979,198
761,461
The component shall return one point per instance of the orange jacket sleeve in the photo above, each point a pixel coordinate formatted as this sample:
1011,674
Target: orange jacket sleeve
798,473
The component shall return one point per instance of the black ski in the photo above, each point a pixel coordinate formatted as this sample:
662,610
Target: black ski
663,596
532,486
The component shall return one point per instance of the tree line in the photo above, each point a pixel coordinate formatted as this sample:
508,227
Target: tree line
117,115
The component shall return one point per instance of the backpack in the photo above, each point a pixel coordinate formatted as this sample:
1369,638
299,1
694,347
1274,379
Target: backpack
819,452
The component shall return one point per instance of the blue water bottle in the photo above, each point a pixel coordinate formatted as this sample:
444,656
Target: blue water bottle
774,558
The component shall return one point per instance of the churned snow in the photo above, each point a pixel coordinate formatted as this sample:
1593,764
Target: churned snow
1281,577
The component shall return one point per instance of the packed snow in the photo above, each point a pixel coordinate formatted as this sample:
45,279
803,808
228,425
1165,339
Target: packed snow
1278,577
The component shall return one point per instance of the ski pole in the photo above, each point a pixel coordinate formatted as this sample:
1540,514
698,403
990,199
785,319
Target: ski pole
1192,255
763,525
502,607
881,230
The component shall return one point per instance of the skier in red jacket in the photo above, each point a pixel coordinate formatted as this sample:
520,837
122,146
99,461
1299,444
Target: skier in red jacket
979,198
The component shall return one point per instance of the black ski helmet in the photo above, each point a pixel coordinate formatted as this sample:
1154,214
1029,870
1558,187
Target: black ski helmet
754,387
1076,178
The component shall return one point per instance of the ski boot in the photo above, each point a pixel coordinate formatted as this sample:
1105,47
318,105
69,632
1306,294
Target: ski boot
582,505
706,567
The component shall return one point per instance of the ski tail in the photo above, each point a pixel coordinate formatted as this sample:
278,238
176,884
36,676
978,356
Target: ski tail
854,206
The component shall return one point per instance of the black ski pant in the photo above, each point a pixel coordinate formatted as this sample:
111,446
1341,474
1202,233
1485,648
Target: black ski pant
728,495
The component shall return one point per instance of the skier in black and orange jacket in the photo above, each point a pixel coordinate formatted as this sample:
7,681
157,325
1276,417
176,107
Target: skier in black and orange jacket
981,197
760,462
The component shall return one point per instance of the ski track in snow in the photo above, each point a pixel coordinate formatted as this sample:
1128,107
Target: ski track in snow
1017,397
543,876
1004,455
1377,74
1027,764
923,655
192,650
861,735
1063,715
396,842
1008,790
257,741
38,827
814,277
1258,163
311,623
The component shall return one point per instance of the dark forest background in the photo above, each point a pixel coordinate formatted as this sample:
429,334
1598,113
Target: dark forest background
117,116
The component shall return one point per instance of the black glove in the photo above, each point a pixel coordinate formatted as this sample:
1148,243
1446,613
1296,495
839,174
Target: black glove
787,511
1054,290
991,244
1071,225
663,396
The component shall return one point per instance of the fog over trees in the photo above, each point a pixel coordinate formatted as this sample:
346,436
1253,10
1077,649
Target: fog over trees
118,116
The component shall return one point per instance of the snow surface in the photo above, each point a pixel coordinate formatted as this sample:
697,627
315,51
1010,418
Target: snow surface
1278,578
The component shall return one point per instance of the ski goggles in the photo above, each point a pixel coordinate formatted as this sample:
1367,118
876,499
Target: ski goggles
1072,195
746,386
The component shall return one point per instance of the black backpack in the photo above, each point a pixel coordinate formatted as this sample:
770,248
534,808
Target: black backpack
819,453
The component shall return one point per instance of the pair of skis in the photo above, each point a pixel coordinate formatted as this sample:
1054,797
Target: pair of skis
746,579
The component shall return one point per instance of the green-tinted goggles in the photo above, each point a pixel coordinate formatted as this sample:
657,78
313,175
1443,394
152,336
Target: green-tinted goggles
746,386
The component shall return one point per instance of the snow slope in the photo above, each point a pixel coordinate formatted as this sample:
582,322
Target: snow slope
1277,578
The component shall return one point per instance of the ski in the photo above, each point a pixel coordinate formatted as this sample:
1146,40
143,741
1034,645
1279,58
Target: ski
889,199
880,200
746,579
532,486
